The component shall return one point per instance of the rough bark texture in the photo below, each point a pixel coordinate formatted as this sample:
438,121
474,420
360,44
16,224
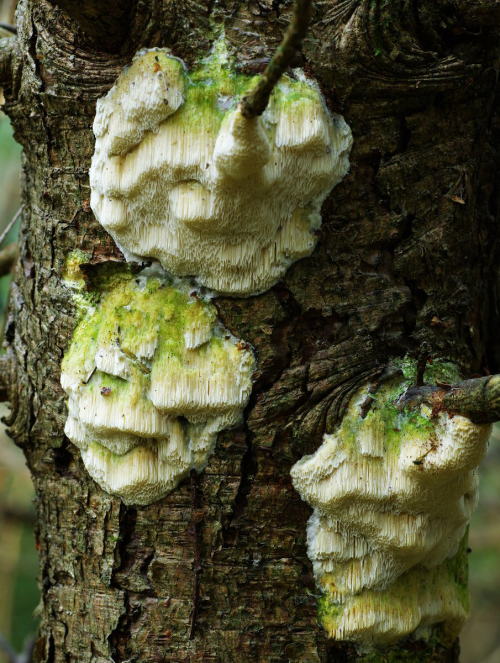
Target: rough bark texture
407,261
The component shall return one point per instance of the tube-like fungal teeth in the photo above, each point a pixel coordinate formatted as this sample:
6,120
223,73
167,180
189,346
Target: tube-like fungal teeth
112,360
214,377
191,204
302,126
81,435
151,379
392,494
209,193
139,476
199,322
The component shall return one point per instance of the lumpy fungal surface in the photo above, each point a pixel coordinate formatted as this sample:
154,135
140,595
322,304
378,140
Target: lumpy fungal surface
179,175
151,378
392,492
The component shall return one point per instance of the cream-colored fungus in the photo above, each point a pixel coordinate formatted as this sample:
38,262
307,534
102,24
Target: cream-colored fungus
392,495
151,379
179,174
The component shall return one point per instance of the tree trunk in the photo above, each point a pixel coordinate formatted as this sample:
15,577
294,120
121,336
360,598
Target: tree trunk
406,262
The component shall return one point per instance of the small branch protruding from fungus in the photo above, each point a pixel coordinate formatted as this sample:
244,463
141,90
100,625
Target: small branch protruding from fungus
8,257
254,103
478,398
423,358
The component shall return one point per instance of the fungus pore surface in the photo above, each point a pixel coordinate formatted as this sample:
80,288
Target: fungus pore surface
179,174
392,495
151,378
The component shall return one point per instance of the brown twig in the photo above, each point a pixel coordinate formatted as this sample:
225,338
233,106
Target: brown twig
254,102
423,358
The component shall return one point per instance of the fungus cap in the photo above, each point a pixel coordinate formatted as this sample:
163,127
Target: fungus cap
179,175
392,495
151,379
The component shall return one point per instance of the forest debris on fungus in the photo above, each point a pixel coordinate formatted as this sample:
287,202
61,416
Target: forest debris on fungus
164,379
180,175
392,495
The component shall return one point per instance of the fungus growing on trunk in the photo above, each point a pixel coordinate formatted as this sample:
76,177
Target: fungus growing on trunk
392,495
180,175
151,378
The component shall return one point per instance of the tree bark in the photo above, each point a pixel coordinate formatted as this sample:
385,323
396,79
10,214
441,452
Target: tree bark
407,262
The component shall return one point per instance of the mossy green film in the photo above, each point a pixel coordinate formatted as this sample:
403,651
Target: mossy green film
130,314
397,424
214,88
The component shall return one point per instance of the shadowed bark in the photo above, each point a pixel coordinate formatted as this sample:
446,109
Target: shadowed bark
407,255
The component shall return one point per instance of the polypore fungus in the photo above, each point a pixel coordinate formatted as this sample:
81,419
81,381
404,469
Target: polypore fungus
392,494
151,378
179,174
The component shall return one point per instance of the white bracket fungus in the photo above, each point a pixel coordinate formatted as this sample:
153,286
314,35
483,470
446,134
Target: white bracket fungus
392,495
179,174
151,378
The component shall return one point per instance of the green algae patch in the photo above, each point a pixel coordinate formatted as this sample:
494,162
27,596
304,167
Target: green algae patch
436,370
329,613
384,416
393,423
74,279
141,318
72,272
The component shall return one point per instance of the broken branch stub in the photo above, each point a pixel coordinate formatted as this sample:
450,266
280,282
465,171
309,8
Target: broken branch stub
477,398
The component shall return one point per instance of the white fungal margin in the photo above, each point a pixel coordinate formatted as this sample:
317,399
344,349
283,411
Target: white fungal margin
392,495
